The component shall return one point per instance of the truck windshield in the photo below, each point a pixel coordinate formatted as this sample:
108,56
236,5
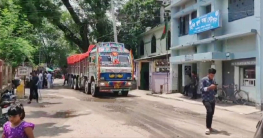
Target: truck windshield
123,59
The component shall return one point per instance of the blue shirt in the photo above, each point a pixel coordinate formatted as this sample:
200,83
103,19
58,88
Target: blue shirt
207,95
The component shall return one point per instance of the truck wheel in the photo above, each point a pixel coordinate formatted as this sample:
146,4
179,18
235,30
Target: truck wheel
94,89
124,93
87,87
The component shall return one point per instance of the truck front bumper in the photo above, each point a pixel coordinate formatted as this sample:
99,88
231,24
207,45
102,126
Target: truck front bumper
114,86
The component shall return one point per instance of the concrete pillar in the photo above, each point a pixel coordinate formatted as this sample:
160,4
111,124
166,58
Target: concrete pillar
174,28
173,78
150,74
236,76
259,60
219,72
203,68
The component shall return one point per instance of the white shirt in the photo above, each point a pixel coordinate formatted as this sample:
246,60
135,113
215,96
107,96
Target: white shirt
49,77
40,76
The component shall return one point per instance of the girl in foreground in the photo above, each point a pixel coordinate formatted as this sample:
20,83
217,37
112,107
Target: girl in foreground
16,127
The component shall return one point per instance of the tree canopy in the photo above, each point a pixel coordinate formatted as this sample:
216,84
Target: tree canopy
84,22
135,16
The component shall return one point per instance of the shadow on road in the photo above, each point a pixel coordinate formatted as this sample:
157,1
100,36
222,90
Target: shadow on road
58,114
49,130
222,132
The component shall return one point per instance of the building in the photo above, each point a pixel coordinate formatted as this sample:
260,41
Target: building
222,34
152,68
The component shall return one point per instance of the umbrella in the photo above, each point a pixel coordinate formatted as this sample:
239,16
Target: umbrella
48,69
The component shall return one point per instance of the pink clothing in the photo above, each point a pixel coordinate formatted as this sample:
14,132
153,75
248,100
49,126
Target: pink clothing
18,131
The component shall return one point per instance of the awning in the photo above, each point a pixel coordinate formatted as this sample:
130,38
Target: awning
215,38
201,57
48,69
153,56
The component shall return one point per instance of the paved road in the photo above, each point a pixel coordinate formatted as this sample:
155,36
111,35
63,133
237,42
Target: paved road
66,113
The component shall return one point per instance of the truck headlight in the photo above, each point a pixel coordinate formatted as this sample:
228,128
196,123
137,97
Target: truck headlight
102,84
129,83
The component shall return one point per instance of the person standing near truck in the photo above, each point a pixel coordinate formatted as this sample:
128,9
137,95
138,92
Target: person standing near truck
49,80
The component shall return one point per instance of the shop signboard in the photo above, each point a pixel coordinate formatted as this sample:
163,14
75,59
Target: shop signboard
189,57
244,63
204,23
22,71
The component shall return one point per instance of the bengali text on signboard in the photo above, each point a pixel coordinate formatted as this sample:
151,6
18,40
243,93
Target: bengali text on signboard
204,23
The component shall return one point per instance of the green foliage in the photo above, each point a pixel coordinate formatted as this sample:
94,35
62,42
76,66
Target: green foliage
84,23
15,39
135,16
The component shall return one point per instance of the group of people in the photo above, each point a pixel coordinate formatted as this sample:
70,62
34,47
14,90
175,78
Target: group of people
39,80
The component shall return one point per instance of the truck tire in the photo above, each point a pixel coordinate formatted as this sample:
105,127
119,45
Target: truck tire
94,89
124,93
87,87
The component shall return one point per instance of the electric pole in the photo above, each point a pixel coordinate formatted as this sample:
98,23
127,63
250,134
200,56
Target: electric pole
114,21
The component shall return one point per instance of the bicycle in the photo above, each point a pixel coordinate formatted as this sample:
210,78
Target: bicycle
238,96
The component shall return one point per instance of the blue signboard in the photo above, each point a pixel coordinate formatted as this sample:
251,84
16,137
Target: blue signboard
204,23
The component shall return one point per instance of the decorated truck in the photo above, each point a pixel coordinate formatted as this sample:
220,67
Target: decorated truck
106,67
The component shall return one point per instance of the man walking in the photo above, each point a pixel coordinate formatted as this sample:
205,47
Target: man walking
40,83
208,88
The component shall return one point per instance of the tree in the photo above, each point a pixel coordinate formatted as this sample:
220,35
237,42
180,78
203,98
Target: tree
88,18
54,47
135,16
15,39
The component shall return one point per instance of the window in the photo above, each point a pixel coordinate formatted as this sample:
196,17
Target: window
105,58
184,25
142,48
169,40
208,9
193,14
249,76
239,9
124,59
153,45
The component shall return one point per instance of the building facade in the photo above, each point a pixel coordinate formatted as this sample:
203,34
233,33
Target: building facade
153,67
220,34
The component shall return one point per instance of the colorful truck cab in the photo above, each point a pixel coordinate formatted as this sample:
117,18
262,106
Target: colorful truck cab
107,67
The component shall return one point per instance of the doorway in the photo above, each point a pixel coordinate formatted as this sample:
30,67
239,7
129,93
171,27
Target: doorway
180,78
228,73
144,79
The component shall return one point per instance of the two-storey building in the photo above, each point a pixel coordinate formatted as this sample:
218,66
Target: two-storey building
152,66
222,34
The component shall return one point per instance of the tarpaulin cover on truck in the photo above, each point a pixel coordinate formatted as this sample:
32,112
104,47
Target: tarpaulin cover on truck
78,57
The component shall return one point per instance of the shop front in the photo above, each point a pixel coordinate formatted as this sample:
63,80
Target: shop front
245,76
161,76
